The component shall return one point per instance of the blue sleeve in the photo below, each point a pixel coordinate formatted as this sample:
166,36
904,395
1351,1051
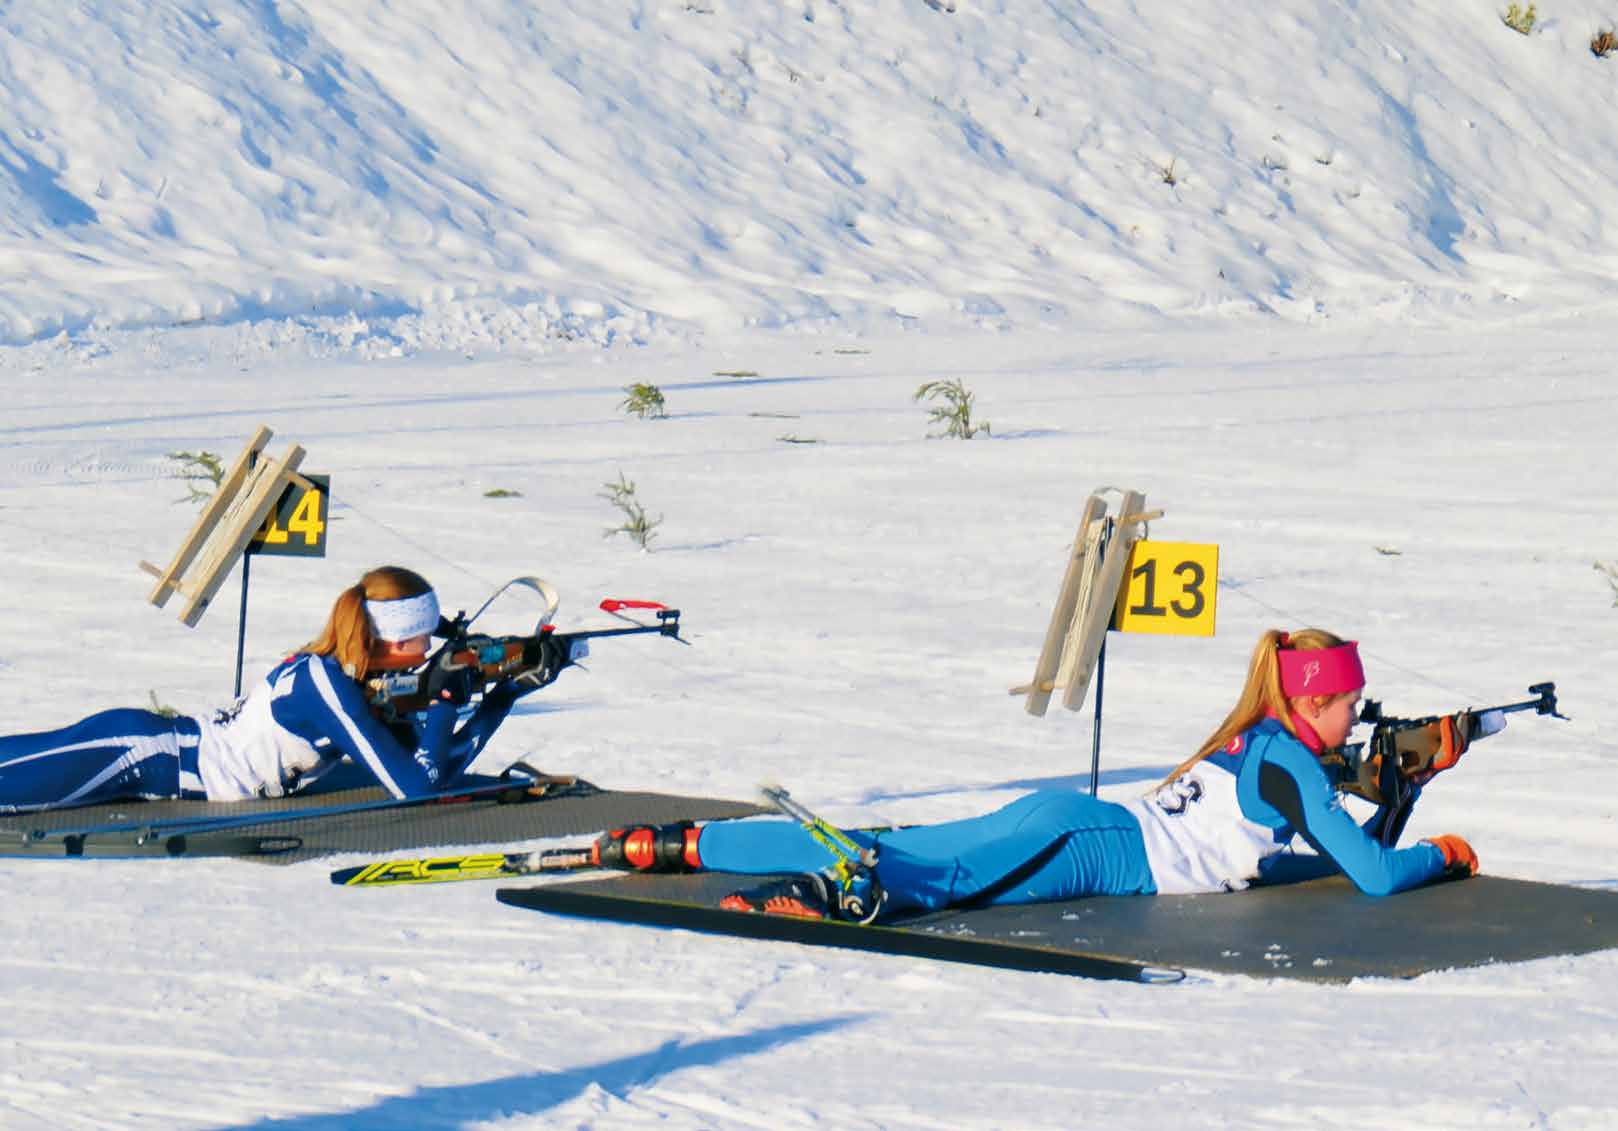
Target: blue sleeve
468,742
325,704
1293,784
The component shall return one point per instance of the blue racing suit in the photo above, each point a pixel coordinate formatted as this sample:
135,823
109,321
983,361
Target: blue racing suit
1211,829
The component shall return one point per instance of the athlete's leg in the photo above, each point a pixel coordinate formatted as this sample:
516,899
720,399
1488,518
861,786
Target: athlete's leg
1054,844
765,847
122,753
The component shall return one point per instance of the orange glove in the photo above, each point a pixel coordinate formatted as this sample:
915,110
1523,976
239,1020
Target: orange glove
1458,855
1429,750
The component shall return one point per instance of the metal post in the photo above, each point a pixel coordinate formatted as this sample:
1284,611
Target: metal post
1101,672
1095,737
241,625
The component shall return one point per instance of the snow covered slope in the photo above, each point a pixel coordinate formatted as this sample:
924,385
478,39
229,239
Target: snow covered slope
1363,343
605,168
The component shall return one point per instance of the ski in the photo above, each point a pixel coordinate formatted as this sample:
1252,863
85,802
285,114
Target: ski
139,844
507,791
475,866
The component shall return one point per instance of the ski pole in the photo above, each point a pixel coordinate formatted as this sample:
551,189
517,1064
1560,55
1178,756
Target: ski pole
851,858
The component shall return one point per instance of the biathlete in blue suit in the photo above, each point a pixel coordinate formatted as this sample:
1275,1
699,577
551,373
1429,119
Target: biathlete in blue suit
298,723
1212,825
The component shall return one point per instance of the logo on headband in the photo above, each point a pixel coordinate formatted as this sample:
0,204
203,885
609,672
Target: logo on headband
1310,670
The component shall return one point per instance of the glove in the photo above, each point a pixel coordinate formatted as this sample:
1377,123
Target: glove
1459,859
1428,750
454,685
549,657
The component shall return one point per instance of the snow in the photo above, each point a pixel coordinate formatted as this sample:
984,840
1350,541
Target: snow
1362,344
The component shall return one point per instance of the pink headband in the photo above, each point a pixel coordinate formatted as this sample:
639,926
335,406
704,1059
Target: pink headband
1321,671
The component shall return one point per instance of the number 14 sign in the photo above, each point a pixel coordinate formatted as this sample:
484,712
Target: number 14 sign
1169,589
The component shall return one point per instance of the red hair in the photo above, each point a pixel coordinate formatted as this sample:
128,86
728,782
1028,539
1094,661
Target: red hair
348,634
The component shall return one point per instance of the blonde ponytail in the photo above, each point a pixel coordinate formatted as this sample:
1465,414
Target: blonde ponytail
1261,695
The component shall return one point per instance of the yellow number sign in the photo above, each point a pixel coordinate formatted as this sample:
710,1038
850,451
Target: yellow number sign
297,525
1169,589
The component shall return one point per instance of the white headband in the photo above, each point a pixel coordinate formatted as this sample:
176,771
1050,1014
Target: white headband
405,618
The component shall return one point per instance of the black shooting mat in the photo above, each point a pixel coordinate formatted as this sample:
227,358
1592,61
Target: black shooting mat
567,811
1317,930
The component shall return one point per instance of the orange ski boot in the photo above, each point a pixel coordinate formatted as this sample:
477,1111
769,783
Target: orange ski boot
649,848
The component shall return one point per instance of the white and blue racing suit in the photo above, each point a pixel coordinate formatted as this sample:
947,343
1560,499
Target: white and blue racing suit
289,730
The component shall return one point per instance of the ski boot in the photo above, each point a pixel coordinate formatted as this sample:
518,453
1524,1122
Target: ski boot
813,895
649,848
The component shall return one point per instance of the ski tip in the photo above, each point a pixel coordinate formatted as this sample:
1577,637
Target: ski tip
1161,975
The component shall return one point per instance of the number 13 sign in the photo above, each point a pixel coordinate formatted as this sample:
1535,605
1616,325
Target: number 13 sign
1169,589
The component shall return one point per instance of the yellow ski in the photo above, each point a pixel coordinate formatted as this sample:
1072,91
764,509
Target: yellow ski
477,866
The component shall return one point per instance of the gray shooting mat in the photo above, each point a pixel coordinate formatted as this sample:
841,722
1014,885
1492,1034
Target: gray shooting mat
1316,930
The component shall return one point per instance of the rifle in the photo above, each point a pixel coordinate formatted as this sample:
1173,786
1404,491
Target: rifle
1386,768
471,662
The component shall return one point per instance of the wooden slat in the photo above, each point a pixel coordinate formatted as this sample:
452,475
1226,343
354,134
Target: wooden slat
1125,532
207,520
232,540
1040,687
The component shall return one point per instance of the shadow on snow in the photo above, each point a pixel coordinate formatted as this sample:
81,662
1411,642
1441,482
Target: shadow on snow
455,1105
1079,782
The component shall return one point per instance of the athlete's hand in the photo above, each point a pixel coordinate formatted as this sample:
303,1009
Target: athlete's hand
455,686
1458,855
1430,750
552,657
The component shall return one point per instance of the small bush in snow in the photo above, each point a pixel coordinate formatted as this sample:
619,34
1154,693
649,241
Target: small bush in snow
1520,20
955,413
635,524
157,707
502,493
1603,43
643,400
202,473
1167,174
1610,570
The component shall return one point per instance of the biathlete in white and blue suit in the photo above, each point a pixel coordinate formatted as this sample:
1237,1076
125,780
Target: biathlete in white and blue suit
298,723
1211,826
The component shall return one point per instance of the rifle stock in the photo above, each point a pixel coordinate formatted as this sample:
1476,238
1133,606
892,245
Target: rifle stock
1381,772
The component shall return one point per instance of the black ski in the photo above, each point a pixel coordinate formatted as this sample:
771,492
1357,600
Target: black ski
136,833
134,844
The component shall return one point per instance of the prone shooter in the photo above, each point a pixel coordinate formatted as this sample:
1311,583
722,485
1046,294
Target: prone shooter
466,663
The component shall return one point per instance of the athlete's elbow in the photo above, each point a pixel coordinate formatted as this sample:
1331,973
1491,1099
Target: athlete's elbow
1378,885
1381,879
